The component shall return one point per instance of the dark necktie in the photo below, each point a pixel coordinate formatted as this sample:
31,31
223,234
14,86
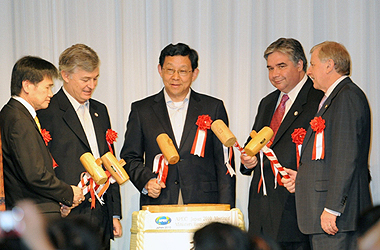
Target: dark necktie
277,116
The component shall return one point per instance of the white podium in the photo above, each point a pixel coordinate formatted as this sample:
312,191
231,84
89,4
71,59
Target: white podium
171,227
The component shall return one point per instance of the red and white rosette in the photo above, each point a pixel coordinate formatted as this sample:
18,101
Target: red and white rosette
297,137
318,126
160,167
111,137
204,123
47,138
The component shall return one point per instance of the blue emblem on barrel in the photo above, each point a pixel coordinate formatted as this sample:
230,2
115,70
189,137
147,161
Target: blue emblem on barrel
163,220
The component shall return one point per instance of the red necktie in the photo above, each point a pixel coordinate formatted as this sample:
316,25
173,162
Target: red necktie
277,116
274,125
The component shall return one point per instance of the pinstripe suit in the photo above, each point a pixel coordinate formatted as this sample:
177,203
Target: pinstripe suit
340,181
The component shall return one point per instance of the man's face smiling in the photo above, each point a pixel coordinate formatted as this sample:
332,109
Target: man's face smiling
80,84
177,76
283,74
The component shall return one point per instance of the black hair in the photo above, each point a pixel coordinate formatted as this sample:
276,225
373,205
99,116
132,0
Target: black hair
33,69
179,49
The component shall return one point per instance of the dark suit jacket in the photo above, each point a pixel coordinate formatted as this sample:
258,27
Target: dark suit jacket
275,213
28,166
340,181
202,180
69,142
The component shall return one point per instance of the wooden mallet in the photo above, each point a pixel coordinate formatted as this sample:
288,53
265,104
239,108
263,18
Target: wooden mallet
94,168
115,167
167,148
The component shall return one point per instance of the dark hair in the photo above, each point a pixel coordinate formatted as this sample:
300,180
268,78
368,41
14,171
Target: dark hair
33,69
75,233
290,47
179,49
221,236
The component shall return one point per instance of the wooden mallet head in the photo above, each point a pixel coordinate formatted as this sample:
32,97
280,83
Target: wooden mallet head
94,168
167,148
223,133
258,141
115,167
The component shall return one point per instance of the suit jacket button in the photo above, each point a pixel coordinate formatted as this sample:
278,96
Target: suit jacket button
176,182
89,200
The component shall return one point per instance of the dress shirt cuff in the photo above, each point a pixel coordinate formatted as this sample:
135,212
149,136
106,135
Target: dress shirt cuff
332,212
116,217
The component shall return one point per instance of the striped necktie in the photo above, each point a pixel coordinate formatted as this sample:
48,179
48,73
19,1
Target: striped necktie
277,116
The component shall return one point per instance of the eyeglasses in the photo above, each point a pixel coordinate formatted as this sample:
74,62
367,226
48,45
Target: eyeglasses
181,72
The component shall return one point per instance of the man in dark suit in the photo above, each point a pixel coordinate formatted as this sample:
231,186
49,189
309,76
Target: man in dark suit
332,184
28,165
271,207
78,124
175,111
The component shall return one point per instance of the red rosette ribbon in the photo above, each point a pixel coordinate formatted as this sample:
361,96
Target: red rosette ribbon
203,123
47,138
297,137
318,126
111,137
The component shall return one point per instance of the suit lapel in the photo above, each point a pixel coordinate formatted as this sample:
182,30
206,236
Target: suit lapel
323,109
161,112
25,111
193,111
269,109
70,117
295,110
98,128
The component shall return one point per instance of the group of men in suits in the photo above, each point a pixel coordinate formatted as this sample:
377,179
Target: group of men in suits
74,124
324,136
271,208
42,149
331,187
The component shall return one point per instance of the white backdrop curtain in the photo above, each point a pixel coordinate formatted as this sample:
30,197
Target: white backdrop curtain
230,37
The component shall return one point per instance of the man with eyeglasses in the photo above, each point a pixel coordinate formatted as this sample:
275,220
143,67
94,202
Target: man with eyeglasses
175,111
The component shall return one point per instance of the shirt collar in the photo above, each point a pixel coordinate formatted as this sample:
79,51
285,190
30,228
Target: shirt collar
332,87
26,104
74,102
172,104
294,92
